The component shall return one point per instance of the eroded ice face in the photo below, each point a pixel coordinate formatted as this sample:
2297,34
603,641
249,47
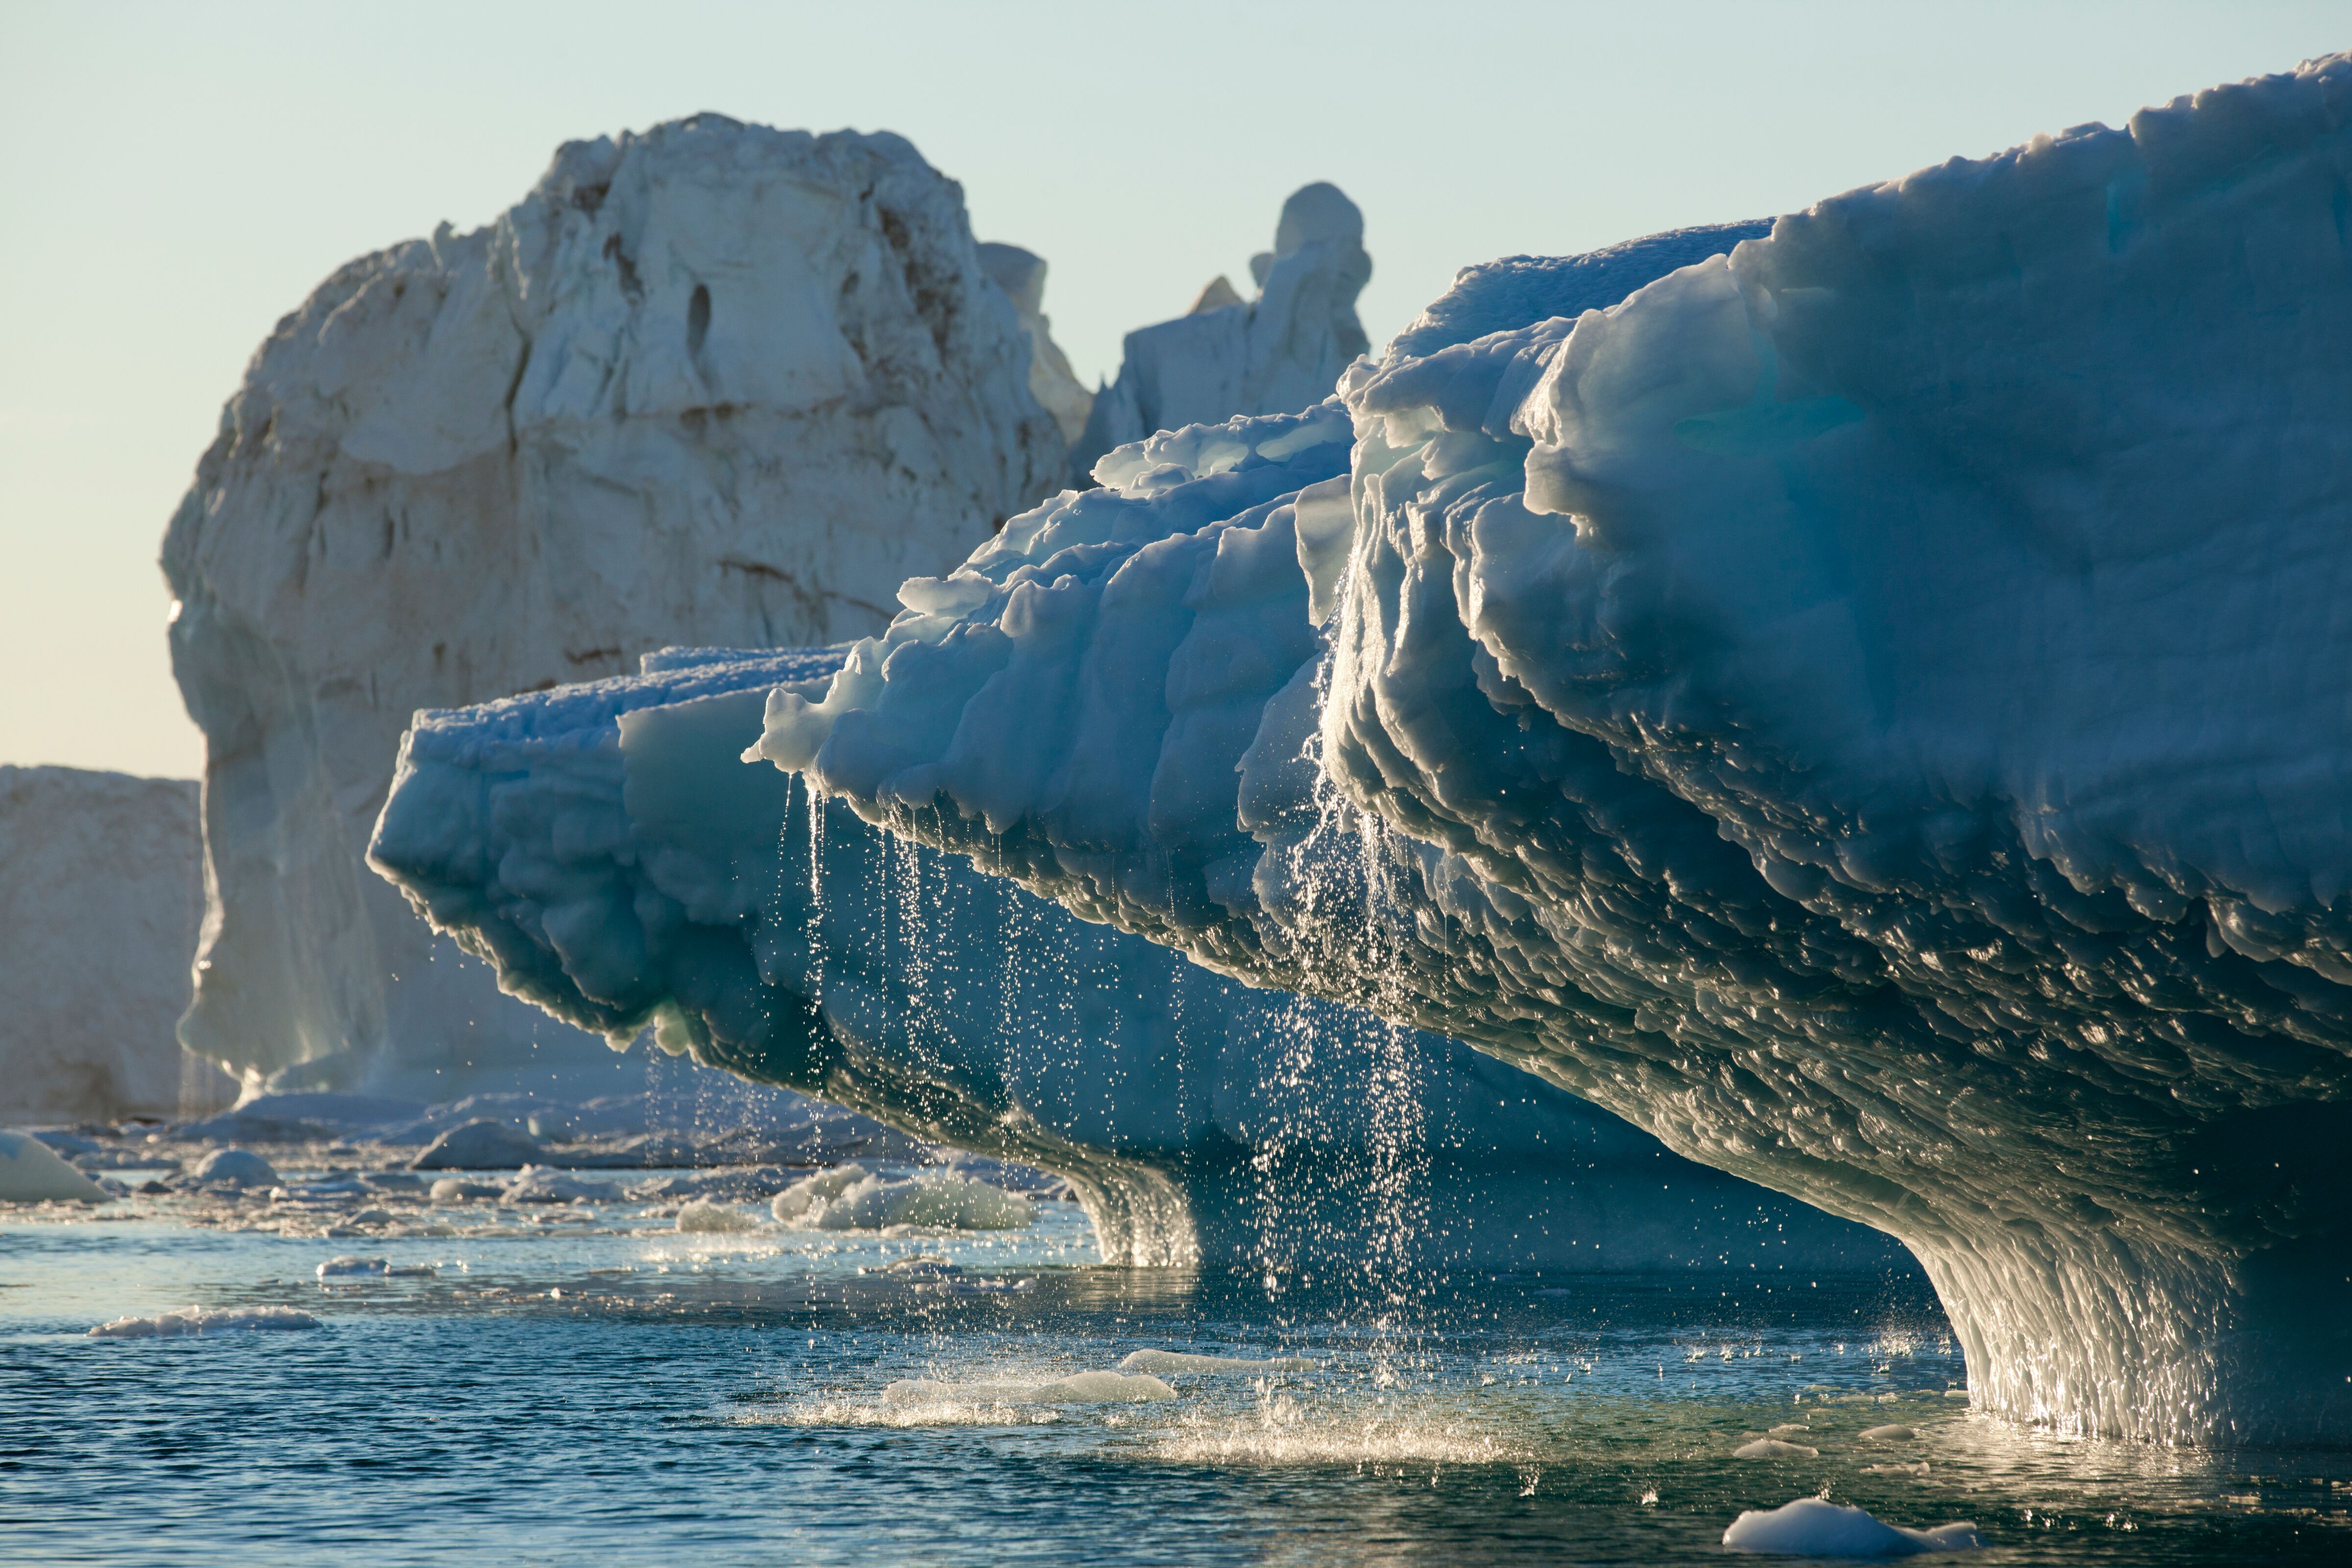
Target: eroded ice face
1867,708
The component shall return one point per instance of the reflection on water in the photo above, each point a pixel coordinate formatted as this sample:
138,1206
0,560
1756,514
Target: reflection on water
588,1385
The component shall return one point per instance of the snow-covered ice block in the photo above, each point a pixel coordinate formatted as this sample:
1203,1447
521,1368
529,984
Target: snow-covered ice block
203,1320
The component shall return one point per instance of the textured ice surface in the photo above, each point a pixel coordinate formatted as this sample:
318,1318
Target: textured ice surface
1814,1527
576,838
100,897
203,1320
1279,352
235,1168
31,1172
851,1197
1869,709
712,383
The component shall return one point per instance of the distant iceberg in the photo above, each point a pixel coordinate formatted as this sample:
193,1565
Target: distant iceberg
1872,708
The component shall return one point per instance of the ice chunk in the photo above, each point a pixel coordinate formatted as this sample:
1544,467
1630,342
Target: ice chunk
545,1185
1084,1388
1281,352
351,1267
101,898
1181,1362
456,1189
480,1145
1889,1434
203,1320
1022,274
1909,642
1774,1448
711,383
235,1168
1814,1527
851,1197
31,1172
699,1215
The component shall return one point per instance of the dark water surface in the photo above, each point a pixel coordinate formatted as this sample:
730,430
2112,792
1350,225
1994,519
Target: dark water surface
600,1390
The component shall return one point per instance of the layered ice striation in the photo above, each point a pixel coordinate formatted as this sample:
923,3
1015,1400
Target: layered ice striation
1272,354
713,383
1870,707
607,849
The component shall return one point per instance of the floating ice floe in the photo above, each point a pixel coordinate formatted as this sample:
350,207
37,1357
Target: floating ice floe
1814,1527
235,1168
1774,1448
1889,1434
544,1184
203,1320
32,1172
702,1215
348,1268
851,1197
1085,1388
1179,1362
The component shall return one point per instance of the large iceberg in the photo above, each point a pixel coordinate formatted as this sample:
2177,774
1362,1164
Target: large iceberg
603,845
1273,354
713,383
1871,709
101,898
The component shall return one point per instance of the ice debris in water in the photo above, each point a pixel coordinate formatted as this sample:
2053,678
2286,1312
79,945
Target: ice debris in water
30,1172
335,1268
703,1216
1812,1527
1179,1362
236,1168
545,1185
1774,1448
1890,1434
203,1320
1085,1388
457,1189
851,1197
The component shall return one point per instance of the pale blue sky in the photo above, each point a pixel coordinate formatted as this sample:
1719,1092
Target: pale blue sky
177,177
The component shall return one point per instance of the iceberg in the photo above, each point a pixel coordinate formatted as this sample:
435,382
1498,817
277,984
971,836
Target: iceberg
31,1173
676,393
1868,706
608,852
101,898
1273,354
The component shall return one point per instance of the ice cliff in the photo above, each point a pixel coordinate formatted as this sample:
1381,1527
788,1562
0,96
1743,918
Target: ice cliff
100,897
1870,707
714,382
606,849
1273,354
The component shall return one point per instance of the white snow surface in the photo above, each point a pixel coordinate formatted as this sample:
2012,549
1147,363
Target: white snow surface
203,1320
1279,352
31,1173
101,898
713,383
1870,707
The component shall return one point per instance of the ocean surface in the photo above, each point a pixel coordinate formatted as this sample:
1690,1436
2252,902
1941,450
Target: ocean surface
585,1383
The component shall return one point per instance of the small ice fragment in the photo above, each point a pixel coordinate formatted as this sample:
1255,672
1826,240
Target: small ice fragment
851,1197
700,1216
1789,1429
235,1168
1812,1527
203,1320
457,1189
1177,1360
545,1185
1889,1434
30,1172
1084,1388
336,1266
1773,1449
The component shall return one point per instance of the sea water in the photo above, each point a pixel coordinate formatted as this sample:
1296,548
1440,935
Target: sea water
585,1382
